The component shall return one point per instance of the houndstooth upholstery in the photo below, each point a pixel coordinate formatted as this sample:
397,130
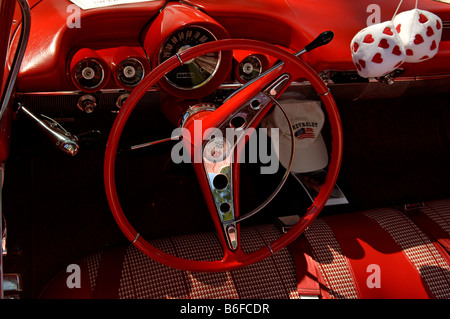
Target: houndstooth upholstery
144,278
340,247
419,249
333,264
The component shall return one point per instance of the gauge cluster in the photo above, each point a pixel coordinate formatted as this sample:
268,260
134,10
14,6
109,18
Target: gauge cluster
122,67
175,29
125,67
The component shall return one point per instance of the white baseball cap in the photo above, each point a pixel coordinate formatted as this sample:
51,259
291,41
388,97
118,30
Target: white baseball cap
307,119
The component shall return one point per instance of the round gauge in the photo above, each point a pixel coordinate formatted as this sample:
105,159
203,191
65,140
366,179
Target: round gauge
250,68
196,72
130,72
217,149
89,73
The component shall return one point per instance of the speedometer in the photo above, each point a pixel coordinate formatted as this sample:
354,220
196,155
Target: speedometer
196,72
89,73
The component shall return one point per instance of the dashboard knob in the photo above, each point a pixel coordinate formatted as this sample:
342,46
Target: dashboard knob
87,103
121,100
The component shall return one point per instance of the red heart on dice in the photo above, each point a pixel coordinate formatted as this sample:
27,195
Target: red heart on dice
377,58
368,39
433,45
388,31
383,44
397,50
422,18
418,39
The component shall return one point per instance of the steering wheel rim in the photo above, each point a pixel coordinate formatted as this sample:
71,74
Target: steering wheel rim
231,259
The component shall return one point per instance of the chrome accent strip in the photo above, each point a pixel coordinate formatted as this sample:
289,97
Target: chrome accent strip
137,236
25,33
236,86
278,85
179,59
431,77
173,138
231,86
79,92
397,79
270,248
324,94
55,93
299,53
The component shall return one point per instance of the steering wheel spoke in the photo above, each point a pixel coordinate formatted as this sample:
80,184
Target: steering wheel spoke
220,154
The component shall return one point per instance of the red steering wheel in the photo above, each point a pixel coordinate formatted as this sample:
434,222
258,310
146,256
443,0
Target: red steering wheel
228,230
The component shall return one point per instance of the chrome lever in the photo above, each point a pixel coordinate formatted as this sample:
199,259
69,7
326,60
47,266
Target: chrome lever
62,139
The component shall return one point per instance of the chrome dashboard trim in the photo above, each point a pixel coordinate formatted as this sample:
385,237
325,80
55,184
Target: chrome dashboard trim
79,92
235,86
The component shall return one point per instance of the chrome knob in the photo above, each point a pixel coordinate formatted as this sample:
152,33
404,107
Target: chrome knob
87,103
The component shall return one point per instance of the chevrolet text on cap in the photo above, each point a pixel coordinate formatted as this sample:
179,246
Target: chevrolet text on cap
307,120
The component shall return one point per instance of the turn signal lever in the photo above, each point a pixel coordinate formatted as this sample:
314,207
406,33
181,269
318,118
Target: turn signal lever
62,139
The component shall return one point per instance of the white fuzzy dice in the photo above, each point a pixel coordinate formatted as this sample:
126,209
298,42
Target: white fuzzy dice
420,32
377,50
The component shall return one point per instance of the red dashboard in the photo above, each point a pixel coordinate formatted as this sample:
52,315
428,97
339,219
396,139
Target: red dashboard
140,35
